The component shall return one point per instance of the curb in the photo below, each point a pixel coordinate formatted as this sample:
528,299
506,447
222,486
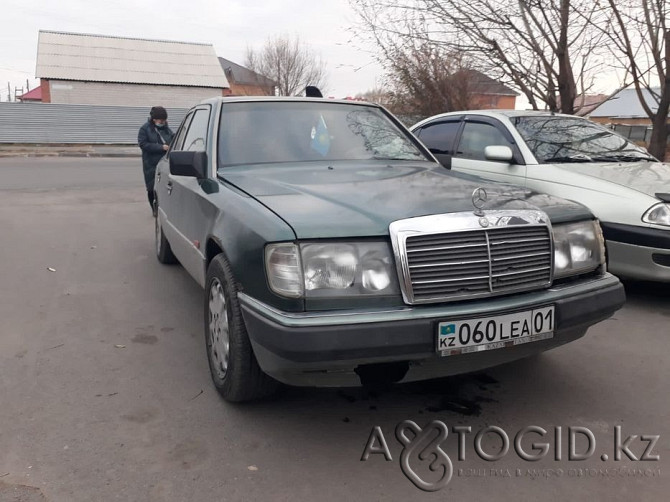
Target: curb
68,154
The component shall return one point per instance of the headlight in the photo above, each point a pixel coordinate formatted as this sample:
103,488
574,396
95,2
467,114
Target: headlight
658,214
578,248
331,269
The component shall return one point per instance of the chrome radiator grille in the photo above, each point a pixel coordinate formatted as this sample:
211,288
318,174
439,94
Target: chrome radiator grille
480,262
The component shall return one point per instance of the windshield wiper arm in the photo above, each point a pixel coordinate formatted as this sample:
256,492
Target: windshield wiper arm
387,157
623,158
569,158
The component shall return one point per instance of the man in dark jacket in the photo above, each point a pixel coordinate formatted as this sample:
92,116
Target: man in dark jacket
154,139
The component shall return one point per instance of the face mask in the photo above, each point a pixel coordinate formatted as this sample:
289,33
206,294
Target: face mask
160,126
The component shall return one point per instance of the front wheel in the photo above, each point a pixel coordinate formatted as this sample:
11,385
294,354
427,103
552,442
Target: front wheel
232,364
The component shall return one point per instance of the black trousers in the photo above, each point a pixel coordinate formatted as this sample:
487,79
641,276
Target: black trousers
151,195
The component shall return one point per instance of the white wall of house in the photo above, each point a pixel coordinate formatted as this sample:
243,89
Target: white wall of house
120,94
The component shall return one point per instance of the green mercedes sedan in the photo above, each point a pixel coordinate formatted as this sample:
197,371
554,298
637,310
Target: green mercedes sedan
334,250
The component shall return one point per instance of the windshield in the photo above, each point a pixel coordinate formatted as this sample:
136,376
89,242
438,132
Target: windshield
276,132
574,139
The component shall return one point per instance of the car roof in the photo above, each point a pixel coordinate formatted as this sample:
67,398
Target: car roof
276,99
506,113
494,113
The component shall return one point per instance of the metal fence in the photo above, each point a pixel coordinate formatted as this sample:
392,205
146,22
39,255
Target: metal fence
636,133
63,124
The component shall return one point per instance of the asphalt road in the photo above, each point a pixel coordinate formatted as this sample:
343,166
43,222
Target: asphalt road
105,391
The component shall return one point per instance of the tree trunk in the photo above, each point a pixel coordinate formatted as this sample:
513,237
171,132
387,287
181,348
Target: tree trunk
659,132
567,89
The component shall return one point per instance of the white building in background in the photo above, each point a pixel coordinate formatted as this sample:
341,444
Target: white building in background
76,68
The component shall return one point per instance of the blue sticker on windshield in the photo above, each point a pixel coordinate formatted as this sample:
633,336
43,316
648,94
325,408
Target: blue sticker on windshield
320,138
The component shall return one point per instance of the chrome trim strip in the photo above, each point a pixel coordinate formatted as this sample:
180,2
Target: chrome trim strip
463,246
516,257
447,263
488,250
459,279
518,272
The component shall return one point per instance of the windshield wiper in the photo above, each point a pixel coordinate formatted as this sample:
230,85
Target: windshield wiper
387,157
569,158
623,158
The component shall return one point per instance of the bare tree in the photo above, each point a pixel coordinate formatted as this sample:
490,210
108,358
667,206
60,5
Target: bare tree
289,63
378,95
640,38
548,49
426,79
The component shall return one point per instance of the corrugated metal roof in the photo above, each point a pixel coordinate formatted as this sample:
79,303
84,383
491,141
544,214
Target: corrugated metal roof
100,58
241,75
626,104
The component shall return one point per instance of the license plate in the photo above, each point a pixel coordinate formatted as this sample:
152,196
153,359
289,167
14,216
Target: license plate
486,333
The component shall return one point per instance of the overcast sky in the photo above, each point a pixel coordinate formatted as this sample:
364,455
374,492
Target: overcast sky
229,25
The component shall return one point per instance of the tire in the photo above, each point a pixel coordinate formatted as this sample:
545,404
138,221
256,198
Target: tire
163,250
232,363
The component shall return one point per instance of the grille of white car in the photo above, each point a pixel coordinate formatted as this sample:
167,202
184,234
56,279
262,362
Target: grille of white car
478,262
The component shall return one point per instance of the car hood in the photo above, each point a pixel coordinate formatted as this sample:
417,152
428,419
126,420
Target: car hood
362,199
646,177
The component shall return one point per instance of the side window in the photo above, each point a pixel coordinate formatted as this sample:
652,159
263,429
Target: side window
476,137
196,137
439,137
178,142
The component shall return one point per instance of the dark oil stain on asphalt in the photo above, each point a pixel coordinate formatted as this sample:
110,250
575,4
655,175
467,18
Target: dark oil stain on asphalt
145,339
140,417
20,493
189,454
462,406
167,329
347,397
458,394
485,379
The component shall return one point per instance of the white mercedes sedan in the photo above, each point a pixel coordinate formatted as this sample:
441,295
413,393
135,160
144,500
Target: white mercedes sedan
570,157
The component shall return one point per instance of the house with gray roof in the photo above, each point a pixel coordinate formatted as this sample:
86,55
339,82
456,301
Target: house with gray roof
625,108
76,68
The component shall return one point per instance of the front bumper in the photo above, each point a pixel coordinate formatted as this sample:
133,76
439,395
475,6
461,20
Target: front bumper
638,252
327,348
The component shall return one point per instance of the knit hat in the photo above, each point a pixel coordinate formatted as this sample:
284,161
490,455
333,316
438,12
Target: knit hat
158,113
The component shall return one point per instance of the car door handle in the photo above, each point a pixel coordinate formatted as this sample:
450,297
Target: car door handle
158,176
168,186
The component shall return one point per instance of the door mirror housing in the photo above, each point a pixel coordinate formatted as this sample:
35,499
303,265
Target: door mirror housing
499,153
192,164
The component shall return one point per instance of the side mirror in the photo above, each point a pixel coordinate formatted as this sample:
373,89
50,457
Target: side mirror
498,153
192,164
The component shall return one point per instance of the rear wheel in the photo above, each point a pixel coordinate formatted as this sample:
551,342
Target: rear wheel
233,366
163,250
